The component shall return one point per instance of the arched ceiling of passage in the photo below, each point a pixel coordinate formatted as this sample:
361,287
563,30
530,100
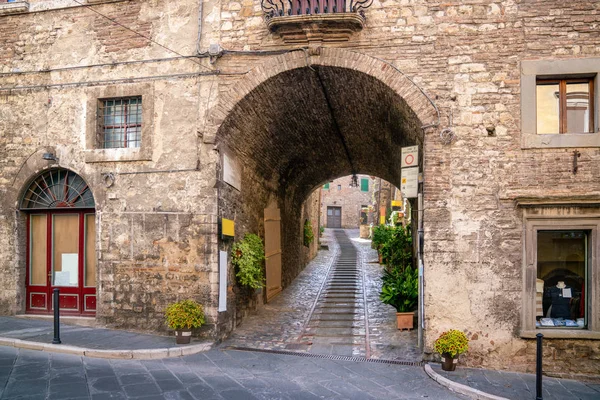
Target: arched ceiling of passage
296,128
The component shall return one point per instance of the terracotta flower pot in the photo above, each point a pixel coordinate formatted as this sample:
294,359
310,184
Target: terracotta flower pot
405,320
448,362
183,336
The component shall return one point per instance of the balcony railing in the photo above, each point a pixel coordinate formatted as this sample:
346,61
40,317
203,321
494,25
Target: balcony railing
282,8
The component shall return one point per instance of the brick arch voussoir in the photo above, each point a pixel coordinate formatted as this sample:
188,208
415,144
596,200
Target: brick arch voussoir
378,69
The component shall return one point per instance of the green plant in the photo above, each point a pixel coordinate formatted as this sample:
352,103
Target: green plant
247,256
321,230
396,251
185,314
381,234
309,236
453,343
400,289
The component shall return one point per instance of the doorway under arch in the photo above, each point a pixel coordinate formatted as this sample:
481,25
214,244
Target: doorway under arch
60,243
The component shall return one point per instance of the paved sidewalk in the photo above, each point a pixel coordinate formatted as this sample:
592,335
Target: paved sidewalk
213,375
92,341
518,386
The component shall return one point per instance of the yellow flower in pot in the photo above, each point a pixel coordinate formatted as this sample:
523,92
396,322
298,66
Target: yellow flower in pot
184,316
450,345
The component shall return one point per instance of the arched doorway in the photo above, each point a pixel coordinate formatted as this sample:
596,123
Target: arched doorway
299,120
61,236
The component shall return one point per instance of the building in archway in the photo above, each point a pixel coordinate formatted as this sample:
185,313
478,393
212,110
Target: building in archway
176,115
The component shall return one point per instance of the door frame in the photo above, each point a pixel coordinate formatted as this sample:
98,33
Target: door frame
333,209
86,296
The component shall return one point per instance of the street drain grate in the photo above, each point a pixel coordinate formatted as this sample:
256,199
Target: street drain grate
329,356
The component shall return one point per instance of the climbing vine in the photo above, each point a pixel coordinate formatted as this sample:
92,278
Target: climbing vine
309,236
247,256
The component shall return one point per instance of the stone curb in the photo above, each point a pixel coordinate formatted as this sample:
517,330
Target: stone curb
142,354
459,387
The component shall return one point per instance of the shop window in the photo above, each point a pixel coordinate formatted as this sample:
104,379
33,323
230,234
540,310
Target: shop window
120,122
364,185
560,271
565,106
562,264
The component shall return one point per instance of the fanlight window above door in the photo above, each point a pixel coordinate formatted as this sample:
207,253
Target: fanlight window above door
57,188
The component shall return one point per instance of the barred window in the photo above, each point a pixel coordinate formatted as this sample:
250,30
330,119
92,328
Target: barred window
120,122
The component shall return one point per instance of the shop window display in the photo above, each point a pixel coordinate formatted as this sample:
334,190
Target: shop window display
562,258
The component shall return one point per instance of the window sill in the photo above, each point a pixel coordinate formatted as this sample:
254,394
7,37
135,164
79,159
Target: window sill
117,155
562,334
14,8
565,140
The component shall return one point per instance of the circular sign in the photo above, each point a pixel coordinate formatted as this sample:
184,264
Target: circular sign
409,159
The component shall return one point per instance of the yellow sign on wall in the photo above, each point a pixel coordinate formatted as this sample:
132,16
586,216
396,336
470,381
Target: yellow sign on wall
227,227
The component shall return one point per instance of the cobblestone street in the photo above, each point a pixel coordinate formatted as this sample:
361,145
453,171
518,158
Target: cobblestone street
285,323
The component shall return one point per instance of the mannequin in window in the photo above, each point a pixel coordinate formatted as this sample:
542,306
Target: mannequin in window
561,298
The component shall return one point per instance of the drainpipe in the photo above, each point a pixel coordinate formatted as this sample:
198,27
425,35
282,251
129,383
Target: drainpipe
200,15
420,261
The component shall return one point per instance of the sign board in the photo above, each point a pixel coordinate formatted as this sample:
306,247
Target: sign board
410,182
410,156
227,227
232,171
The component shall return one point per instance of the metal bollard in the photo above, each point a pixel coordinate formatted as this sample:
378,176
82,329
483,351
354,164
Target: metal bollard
56,339
538,368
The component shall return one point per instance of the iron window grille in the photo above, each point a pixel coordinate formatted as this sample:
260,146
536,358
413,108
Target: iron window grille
120,122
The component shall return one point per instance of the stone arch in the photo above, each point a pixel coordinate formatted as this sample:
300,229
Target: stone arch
34,166
402,85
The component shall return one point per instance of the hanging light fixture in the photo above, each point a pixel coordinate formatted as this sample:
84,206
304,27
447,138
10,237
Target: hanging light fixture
354,181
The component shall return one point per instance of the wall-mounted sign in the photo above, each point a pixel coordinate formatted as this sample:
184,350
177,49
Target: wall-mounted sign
410,182
227,228
232,170
410,156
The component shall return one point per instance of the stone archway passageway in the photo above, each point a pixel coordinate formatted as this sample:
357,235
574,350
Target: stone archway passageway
307,316
292,125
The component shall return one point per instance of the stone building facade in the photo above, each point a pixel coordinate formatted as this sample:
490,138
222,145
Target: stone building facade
341,203
244,108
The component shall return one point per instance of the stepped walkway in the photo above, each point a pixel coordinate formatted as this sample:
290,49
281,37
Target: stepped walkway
332,308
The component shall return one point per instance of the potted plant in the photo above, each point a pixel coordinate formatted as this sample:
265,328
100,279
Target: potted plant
400,289
381,235
450,345
247,257
184,316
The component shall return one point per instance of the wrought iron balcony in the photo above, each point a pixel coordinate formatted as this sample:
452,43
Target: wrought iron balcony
281,8
306,21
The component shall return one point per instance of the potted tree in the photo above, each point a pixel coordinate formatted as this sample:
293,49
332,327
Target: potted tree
184,316
400,289
450,345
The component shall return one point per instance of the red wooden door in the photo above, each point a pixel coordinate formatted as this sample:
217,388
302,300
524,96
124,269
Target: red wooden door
61,254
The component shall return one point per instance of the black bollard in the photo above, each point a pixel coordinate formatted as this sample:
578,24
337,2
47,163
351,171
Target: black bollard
56,339
538,368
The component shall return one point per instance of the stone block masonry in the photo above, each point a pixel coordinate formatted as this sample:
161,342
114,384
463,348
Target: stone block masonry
291,119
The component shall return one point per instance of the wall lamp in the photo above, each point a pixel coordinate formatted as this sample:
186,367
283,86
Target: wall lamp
49,157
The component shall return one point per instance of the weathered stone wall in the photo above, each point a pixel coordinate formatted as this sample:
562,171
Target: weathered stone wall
156,220
351,199
465,55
